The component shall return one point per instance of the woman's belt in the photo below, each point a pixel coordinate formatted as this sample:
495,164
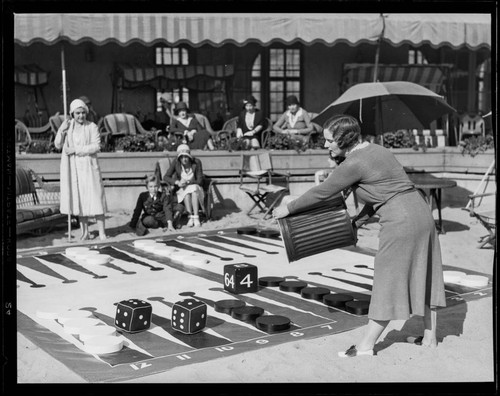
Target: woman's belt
398,194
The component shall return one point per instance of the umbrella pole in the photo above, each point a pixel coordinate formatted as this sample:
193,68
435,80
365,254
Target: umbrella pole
377,54
65,107
378,121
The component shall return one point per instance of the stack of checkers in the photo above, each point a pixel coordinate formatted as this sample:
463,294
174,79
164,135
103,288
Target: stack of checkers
97,337
253,315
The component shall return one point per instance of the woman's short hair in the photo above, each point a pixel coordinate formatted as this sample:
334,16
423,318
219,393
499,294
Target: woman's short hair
345,130
152,179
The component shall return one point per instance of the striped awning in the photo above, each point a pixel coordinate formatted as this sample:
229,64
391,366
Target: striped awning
197,29
429,76
456,30
144,74
31,75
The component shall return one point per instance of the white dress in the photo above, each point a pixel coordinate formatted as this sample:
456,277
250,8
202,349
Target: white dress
187,175
82,190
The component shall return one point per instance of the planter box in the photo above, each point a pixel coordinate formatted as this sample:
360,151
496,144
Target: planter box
227,164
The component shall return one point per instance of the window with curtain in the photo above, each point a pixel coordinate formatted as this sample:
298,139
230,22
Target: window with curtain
283,71
167,56
284,78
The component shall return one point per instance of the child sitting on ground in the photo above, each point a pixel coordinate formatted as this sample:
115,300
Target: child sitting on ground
156,208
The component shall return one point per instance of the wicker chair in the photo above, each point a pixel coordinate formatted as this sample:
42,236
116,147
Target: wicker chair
37,210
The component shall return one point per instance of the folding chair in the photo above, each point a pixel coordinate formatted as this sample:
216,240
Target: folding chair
486,215
258,180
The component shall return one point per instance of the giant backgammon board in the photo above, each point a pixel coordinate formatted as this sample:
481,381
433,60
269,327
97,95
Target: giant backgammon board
50,277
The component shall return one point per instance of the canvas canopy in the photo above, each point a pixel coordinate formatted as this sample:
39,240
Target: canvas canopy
429,76
198,77
456,30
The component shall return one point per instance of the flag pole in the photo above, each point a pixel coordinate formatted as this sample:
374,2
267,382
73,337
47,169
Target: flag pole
65,109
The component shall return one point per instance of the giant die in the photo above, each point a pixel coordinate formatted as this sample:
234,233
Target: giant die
133,315
241,278
189,316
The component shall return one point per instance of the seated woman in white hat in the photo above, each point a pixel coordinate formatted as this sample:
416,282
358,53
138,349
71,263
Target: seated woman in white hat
186,175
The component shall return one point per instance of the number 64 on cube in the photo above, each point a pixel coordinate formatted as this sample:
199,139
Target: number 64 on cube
240,278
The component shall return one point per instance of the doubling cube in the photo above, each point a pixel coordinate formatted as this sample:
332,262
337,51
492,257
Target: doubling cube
133,315
240,278
189,316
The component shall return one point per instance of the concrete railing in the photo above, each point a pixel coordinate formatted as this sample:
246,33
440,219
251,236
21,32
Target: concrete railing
135,165
123,173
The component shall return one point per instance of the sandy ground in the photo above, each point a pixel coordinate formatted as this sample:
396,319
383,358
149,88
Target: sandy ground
466,338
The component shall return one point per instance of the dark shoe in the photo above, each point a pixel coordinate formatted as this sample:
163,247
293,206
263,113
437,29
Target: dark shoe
415,340
353,352
140,230
177,217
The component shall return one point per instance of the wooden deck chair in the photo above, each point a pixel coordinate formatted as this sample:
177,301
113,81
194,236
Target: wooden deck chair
55,122
118,125
43,134
264,135
204,122
261,183
208,186
471,125
37,209
307,139
221,138
22,135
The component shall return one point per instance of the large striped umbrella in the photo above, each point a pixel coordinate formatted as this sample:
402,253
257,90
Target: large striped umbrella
388,106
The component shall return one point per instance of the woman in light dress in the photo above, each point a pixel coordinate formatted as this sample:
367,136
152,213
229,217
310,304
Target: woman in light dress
186,175
82,190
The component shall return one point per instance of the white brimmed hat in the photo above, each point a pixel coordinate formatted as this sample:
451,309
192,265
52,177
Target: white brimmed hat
184,149
77,103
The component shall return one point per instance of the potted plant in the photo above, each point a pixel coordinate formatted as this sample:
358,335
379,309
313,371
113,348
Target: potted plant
476,145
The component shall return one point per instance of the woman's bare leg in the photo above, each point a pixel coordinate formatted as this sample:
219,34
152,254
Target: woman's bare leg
188,203
374,329
101,227
196,203
430,325
84,227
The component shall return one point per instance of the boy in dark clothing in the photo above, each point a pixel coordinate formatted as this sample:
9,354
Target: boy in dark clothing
156,209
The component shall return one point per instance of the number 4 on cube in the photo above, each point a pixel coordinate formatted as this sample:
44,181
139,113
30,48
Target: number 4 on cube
240,278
